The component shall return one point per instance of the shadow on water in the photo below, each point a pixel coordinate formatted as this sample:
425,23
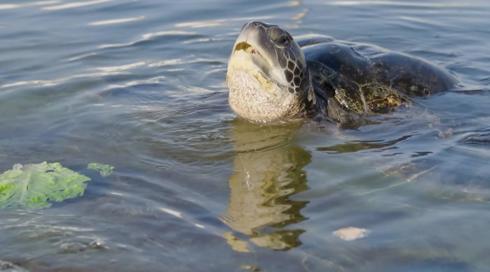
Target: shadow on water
267,171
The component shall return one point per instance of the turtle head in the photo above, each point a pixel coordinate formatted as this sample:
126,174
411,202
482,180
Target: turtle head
267,75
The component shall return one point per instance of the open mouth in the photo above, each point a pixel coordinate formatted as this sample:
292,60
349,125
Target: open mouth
253,57
246,47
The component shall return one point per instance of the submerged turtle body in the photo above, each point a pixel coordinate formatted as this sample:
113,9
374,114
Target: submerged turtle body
273,78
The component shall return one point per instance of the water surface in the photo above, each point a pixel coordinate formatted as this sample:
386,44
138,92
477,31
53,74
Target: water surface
140,85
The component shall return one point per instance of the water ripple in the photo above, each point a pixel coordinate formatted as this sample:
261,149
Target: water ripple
120,68
75,5
219,22
446,4
152,36
34,4
116,21
356,146
9,6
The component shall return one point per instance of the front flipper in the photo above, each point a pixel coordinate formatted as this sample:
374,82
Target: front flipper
345,118
329,88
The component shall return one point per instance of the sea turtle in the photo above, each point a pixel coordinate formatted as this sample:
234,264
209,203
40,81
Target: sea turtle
273,78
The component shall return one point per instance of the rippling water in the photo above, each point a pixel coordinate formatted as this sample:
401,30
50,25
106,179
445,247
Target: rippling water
140,85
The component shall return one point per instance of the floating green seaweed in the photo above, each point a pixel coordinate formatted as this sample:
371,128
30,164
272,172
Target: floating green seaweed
38,185
103,169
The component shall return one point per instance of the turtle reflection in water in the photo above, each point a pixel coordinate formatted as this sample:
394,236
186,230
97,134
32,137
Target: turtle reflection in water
267,170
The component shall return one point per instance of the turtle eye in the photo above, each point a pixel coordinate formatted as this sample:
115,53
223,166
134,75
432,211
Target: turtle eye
279,36
283,40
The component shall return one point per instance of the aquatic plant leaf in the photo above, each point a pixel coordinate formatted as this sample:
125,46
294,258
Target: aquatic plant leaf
38,185
103,169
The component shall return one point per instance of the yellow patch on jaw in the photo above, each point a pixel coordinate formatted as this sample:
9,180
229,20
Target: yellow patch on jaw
266,84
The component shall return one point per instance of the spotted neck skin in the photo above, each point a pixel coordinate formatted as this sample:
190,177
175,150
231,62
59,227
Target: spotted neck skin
267,76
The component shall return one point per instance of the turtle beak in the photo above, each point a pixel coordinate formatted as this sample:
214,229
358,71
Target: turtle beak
253,40
251,35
